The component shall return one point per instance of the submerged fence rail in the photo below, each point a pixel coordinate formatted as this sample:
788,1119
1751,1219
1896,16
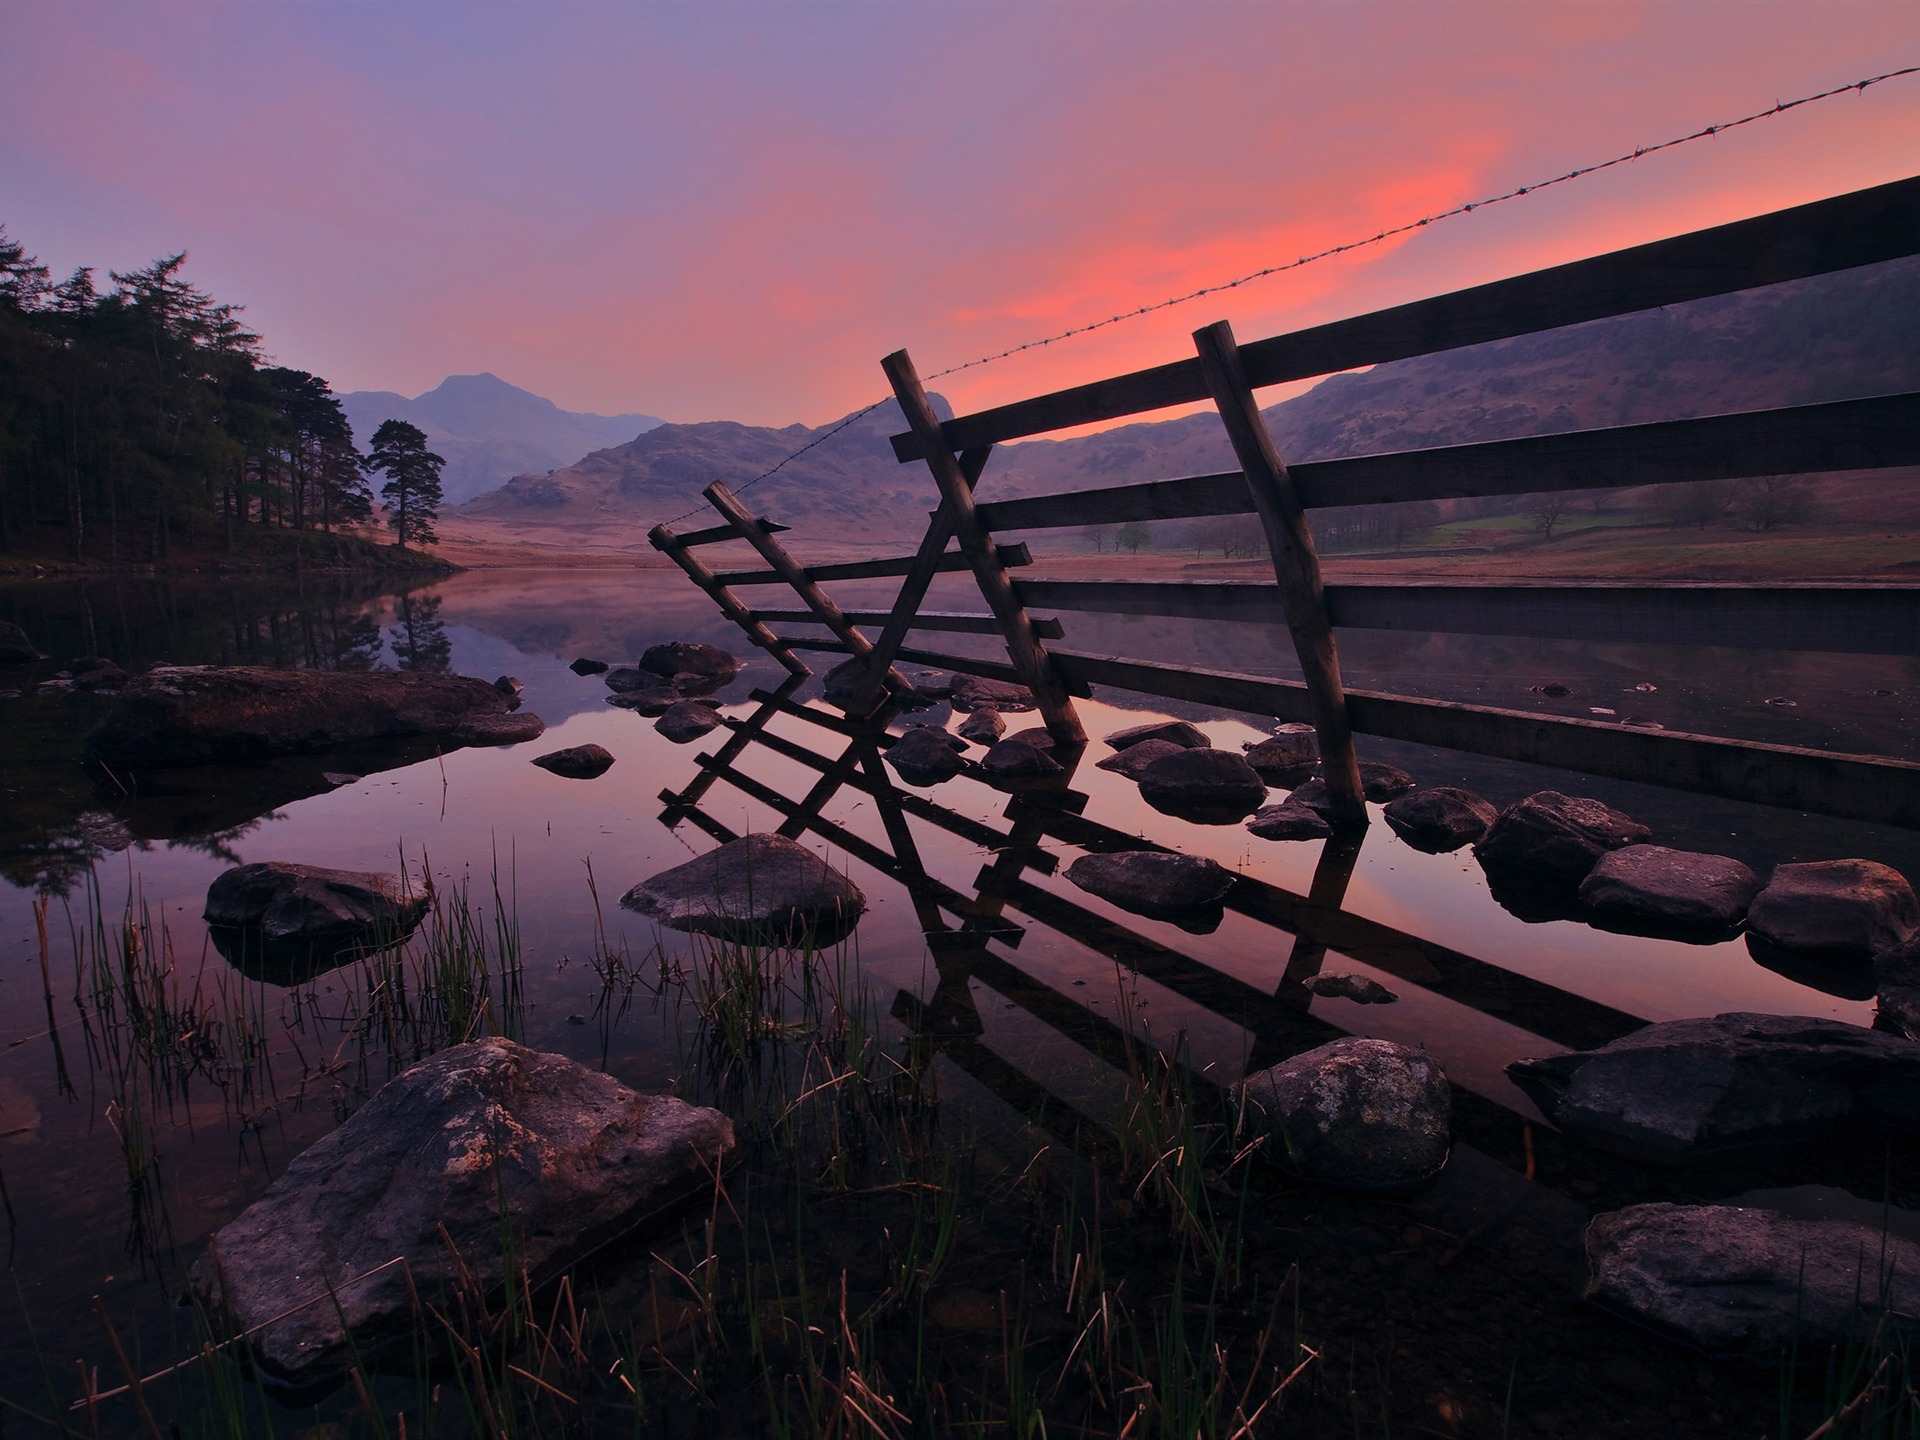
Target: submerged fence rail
1869,433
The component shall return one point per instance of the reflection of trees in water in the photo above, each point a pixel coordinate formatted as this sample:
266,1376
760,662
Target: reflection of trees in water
419,636
220,843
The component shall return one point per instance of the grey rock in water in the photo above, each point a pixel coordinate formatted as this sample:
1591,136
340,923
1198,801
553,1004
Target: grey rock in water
15,647
1017,759
1740,1084
683,657
1735,1280
1360,989
631,679
687,720
1133,761
1441,819
1284,755
1152,882
1205,785
1366,1114
757,888
1555,839
482,1138
509,686
1844,911
498,729
586,666
577,762
1174,732
925,756
1651,889
971,692
96,672
840,684
1381,783
1289,821
984,726
207,714
279,913
1312,795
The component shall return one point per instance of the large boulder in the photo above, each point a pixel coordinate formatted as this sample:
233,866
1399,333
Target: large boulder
1844,911
1152,882
1361,1113
690,657
1439,820
1650,889
487,1149
1732,1280
15,647
925,756
281,921
1287,755
1207,785
1554,839
199,714
577,762
1133,761
757,888
1741,1084
1174,732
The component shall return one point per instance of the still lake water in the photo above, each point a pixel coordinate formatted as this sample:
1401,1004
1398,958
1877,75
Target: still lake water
112,1173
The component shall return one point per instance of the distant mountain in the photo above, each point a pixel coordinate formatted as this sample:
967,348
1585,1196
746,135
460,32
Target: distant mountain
490,431
849,486
1827,338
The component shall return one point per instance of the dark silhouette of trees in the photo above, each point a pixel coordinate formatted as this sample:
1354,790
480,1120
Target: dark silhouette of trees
412,491
141,414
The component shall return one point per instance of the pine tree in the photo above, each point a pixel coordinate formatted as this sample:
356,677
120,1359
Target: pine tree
412,491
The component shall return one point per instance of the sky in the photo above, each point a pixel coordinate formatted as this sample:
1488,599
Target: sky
732,211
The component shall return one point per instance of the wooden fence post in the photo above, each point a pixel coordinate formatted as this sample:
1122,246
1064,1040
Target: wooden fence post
956,493
1295,564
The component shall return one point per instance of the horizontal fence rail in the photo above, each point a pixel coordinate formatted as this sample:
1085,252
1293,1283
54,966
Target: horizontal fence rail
1863,228
1878,433
1859,619
1012,556
969,623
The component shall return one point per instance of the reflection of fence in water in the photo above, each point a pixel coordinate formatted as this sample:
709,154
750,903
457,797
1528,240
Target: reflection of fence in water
971,938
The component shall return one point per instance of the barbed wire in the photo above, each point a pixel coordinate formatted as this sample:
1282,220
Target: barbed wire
1779,107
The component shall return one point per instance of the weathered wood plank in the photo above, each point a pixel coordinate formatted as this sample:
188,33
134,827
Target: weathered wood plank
967,665
1875,788
1862,619
1877,433
1011,557
1861,228
1295,565
962,622
715,534
1029,656
674,548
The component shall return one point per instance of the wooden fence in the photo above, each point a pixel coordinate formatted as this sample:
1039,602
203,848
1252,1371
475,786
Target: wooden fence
1877,432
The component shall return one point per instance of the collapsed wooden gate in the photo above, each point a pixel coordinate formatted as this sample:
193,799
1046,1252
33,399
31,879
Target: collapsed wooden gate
1879,432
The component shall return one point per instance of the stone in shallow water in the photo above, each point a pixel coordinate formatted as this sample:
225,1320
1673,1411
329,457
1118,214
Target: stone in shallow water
680,657
1017,759
586,666
1358,988
1206,785
1744,1084
1441,819
687,720
971,692
1735,1280
1133,761
1288,821
500,729
1174,732
757,888
1652,889
481,1136
1554,839
1152,882
577,762
285,923
1367,1114
925,756
1844,911
1286,756
983,726
1381,783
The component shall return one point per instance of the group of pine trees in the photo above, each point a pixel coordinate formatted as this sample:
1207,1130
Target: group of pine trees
142,417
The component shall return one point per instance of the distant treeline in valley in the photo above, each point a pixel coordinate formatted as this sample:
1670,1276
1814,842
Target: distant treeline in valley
140,418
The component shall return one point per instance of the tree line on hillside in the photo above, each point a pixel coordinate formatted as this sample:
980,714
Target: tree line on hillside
142,417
